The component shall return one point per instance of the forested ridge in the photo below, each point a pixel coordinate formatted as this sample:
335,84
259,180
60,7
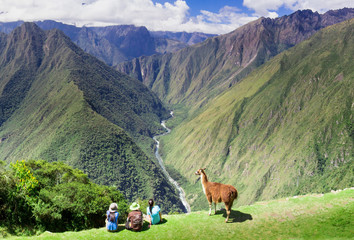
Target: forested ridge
60,104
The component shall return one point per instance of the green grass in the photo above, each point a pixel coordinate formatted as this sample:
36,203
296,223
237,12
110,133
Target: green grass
316,216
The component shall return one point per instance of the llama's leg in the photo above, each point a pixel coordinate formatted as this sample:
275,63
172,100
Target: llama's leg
210,208
228,210
214,207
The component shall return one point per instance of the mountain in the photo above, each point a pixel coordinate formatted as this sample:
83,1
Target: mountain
285,129
58,103
197,73
115,44
189,38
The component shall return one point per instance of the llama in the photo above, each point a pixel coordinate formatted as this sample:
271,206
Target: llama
217,192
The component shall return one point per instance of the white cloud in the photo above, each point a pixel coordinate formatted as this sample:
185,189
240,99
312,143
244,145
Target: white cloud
262,7
322,6
268,8
155,16
96,12
226,20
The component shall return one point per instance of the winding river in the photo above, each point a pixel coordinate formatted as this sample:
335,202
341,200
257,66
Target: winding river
182,194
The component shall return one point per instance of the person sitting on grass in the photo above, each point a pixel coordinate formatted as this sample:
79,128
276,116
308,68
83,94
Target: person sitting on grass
135,218
112,218
153,212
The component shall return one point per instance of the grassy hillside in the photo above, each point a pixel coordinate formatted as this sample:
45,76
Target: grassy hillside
318,216
59,104
285,129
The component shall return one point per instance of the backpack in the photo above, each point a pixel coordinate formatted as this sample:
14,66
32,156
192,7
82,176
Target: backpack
136,220
111,217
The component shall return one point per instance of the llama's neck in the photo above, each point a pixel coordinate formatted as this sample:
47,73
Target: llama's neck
204,178
204,181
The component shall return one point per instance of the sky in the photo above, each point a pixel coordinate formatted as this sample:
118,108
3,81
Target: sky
208,16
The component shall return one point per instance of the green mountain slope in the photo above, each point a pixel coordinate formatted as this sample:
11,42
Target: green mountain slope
60,104
285,129
327,216
194,75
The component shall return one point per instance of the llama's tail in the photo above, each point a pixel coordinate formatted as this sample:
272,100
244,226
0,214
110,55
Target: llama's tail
234,194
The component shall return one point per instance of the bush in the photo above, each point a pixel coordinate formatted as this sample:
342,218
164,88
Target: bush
55,197
14,207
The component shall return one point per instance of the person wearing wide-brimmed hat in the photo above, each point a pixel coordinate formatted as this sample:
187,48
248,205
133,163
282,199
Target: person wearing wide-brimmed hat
112,218
135,218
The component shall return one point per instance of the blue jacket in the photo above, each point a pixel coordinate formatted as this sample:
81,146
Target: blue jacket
112,226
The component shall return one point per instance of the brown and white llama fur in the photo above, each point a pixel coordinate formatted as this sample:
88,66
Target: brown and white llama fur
217,192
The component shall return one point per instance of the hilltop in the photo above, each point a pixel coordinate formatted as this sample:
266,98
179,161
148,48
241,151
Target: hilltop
314,216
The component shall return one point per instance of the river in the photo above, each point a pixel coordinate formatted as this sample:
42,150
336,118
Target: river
182,194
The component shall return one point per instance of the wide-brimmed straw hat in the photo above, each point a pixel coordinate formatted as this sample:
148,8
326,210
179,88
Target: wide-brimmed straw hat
113,207
134,206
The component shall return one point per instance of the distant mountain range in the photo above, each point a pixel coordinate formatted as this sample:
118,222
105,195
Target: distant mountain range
196,73
189,38
58,103
115,44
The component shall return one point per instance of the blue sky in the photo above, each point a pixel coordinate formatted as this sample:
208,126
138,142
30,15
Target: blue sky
209,16
213,5
209,5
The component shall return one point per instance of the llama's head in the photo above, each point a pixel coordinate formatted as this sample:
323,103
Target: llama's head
200,171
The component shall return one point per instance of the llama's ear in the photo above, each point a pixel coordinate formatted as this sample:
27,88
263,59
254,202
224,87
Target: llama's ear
204,168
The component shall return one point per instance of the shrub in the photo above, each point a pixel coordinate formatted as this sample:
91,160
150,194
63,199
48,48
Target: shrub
55,197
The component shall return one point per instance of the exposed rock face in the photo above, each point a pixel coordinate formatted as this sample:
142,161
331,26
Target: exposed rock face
130,40
188,38
193,73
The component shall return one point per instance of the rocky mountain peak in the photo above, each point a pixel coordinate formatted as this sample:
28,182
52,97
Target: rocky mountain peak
25,42
334,16
26,32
